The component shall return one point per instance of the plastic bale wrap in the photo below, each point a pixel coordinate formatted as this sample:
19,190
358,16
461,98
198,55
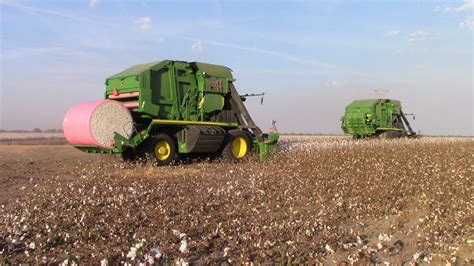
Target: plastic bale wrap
95,123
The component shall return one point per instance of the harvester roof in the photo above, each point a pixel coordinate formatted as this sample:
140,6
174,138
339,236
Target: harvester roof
135,70
214,70
371,102
210,69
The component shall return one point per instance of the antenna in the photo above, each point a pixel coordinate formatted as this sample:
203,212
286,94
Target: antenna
382,93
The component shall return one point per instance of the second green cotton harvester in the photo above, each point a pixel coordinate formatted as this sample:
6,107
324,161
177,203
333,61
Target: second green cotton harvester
383,118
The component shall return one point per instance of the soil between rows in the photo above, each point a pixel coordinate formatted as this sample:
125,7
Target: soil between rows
321,199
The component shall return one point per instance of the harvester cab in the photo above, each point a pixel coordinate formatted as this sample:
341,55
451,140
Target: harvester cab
166,108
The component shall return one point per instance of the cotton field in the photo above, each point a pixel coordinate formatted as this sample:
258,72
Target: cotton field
28,135
325,199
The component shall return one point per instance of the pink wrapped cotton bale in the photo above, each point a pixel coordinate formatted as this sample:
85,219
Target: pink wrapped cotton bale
94,123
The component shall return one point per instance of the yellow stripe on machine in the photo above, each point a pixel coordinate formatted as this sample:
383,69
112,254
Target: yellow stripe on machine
389,128
189,122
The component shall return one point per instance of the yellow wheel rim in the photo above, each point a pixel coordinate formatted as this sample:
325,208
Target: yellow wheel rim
239,147
162,150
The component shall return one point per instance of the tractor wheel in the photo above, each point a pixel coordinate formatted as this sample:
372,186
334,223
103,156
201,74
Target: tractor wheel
236,146
161,150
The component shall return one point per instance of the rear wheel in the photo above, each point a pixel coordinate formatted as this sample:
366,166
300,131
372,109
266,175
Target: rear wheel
237,146
161,150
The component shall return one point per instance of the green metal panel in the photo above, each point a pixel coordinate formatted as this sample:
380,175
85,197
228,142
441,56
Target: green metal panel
93,149
212,102
173,89
369,117
268,146
124,84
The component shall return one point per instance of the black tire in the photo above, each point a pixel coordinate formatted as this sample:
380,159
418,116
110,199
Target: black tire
250,138
161,150
236,146
128,155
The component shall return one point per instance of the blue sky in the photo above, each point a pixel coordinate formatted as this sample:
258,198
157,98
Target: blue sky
311,58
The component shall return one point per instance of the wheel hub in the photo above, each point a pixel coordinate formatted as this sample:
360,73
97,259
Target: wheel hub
239,147
162,150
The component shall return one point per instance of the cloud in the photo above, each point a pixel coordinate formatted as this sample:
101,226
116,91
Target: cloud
468,23
335,83
280,55
197,47
263,51
418,35
36,10
159,39
392,33
27,52
93,3
468,5
144,23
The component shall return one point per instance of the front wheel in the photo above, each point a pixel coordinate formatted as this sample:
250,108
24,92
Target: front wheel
237,146
161,150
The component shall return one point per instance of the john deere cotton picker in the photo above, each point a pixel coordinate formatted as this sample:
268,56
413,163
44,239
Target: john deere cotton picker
166,108
383,118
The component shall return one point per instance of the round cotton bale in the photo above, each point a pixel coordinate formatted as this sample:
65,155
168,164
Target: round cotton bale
94,123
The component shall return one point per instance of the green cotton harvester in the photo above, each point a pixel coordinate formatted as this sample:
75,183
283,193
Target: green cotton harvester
381,118
166,108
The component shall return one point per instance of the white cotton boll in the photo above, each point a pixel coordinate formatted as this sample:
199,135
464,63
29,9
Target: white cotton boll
384,237
183,248
132,254
329,249
178,233
416,256
182,262
149,259
157,252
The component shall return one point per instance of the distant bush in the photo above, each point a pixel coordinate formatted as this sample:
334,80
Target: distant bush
53,130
